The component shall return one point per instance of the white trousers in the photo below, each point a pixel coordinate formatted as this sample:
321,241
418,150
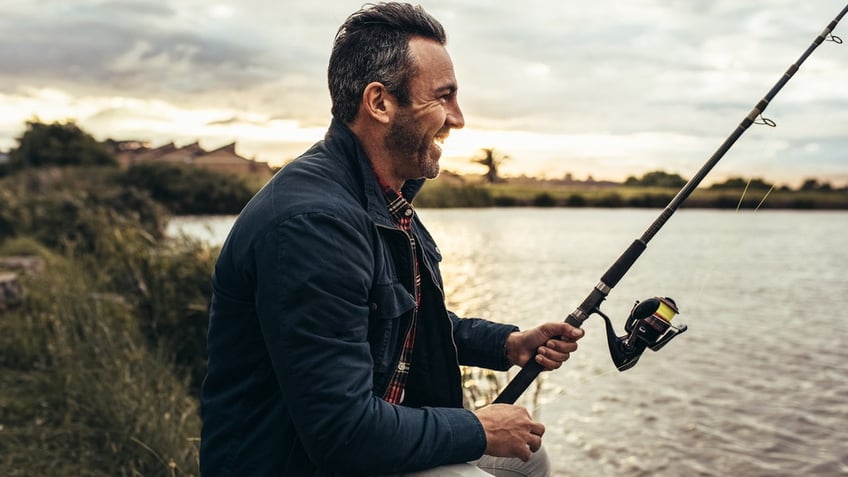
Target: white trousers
487,466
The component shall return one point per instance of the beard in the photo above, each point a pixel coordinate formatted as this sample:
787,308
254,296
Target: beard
414,153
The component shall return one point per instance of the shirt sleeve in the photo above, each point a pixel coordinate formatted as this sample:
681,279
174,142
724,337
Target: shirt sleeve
481,342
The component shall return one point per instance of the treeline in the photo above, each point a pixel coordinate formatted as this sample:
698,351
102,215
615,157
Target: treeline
652,190
193,190
675,181
180,189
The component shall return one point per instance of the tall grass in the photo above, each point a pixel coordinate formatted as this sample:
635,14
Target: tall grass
99,365
83,393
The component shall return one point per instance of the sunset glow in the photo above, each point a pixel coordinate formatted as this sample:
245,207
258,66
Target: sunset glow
563,89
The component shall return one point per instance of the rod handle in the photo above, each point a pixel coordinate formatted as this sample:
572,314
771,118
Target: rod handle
520,382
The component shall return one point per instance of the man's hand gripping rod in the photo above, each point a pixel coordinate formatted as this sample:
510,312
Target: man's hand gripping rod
626,350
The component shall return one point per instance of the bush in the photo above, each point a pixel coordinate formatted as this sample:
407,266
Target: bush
189,190
172,303
576,200
544,200
610,200
58,144
739,183
442,194
656,179
649,200
65,211
505,201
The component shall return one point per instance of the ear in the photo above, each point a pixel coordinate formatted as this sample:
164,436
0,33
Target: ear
378,103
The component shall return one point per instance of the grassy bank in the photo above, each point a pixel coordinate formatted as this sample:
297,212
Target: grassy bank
100,362
457,193
102,359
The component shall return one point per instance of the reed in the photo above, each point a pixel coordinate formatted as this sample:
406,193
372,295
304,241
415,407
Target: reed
93,375
82,393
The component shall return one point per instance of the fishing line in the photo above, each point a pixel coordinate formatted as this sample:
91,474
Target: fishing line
702,279
742,197
649,324
764,198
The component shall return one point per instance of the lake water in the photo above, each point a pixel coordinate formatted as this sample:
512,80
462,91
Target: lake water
758,386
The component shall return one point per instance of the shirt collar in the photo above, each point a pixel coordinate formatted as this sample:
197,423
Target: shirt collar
399,208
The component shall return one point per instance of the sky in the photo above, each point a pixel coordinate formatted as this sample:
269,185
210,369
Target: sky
607,88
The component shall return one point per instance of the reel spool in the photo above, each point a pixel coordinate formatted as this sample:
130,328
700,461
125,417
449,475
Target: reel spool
648,327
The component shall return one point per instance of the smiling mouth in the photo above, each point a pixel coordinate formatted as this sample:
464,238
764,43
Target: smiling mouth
440,139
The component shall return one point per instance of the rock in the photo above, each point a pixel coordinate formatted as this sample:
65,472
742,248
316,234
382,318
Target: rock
11,291
26,264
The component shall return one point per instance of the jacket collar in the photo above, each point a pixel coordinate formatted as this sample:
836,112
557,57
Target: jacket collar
339,135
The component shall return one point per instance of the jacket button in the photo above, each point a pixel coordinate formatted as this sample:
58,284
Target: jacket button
372,306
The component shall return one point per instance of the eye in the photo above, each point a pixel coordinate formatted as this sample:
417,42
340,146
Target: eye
449,95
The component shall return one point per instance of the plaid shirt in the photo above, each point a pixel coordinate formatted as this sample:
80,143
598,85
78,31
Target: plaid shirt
402,212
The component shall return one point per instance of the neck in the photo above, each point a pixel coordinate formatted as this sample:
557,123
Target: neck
371,140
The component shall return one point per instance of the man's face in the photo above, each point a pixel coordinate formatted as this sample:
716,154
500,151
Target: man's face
417,130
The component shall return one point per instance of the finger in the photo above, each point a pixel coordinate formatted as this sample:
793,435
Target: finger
548,364
562,332
553,355
555,329
537,428
551,359
561,346
523,452
534,443
572,332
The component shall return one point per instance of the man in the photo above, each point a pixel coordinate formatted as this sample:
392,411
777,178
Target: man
330,348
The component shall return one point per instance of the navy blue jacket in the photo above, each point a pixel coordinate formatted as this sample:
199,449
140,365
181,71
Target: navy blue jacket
311,300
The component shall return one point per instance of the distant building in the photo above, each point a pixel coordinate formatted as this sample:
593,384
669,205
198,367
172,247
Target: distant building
224,159
177,155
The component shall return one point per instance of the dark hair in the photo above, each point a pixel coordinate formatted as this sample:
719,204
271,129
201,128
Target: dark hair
373,45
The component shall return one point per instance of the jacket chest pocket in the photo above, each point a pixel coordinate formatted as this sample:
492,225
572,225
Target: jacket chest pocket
389,304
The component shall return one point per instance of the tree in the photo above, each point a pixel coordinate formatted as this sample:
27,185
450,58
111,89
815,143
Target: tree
737,183
189,190
814,184
58,144
492,161
657,179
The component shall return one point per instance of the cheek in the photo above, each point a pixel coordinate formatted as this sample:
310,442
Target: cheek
433,117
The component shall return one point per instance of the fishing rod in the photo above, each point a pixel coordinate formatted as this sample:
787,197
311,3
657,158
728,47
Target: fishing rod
649,324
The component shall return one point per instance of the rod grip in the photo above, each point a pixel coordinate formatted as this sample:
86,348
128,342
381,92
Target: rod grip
528,373
623,264
520,382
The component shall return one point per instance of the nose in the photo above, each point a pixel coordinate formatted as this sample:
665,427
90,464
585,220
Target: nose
455,119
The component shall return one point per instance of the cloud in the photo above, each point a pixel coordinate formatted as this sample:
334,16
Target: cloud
144,51
617,73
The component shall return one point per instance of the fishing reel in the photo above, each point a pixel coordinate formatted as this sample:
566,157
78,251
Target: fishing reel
648,326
